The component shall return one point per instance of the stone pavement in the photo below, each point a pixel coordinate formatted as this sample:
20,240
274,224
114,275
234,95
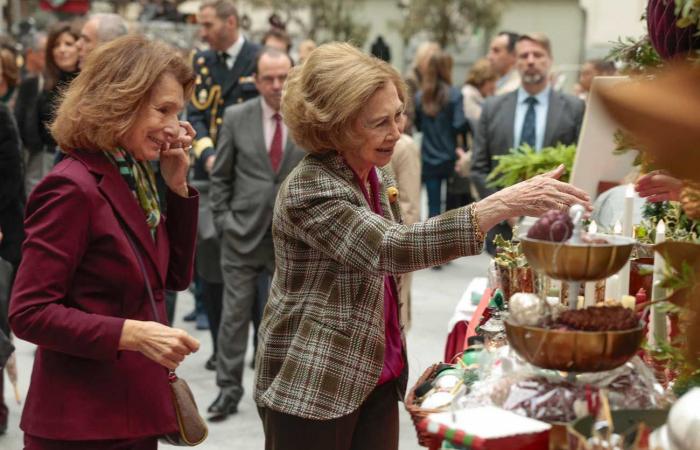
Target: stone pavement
435,293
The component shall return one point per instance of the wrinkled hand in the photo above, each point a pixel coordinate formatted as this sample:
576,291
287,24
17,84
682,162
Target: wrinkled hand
175,159
165,345
658,186
541,193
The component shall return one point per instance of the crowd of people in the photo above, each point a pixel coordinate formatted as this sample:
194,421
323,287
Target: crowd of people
125,164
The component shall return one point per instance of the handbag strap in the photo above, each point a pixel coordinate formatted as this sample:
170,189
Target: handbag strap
143,271
172,377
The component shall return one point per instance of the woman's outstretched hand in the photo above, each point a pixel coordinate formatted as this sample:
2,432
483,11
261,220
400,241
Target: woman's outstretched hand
658,186
531,197
165,345
542,193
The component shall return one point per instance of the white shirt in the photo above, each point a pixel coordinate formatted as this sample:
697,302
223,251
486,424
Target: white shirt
541,109
233,51
269,125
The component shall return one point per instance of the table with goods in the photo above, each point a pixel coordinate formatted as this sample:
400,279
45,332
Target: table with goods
562,356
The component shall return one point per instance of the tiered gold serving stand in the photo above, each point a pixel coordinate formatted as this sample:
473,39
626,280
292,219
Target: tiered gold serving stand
569,351
575,351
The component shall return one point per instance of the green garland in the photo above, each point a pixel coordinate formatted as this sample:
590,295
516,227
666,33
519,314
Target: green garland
679,227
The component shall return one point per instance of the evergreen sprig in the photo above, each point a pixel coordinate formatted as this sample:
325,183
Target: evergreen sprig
525,162
637,55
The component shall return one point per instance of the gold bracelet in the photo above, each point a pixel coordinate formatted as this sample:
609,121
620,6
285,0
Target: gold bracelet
474,221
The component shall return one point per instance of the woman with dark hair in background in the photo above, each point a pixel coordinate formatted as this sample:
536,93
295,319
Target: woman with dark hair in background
440,116
61,68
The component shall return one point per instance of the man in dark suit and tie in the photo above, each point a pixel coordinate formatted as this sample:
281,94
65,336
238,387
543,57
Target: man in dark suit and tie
254,155
534,114
224,77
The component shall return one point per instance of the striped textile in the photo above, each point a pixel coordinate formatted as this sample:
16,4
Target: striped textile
321,341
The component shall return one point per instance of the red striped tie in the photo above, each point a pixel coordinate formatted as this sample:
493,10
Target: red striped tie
276,145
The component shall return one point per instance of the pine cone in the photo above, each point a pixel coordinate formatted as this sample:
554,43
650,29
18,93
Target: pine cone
690,199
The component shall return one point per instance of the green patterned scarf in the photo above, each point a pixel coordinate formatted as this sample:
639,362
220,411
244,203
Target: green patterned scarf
142,182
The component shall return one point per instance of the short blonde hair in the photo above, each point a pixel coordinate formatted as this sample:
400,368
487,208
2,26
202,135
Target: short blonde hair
423,54
324,96
480,73
102,103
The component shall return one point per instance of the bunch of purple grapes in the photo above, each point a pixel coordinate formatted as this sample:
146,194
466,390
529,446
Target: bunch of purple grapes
553,226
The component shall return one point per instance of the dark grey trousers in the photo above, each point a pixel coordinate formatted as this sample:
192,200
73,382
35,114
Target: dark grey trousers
242,296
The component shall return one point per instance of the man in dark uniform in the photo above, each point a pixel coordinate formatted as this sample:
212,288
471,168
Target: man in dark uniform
224,77
224,74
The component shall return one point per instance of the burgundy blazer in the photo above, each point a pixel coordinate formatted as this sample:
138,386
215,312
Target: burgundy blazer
78,281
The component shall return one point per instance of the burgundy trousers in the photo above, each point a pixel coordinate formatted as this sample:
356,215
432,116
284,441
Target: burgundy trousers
373,426
37,443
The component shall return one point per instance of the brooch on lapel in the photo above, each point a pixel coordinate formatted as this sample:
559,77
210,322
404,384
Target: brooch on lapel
392,193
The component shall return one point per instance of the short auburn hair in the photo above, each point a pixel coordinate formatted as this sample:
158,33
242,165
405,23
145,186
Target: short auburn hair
102,103
323,97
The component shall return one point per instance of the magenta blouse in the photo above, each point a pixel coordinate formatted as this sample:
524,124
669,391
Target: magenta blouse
393,351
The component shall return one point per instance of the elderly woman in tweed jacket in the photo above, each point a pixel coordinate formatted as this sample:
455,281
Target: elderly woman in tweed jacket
331,358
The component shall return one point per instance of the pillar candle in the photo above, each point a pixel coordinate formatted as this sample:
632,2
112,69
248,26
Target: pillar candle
659,330
589,288
612,288
627,230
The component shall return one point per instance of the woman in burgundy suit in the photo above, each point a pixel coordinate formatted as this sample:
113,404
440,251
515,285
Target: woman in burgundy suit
100,378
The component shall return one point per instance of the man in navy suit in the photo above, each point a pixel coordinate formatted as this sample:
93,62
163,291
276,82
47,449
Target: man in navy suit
534,114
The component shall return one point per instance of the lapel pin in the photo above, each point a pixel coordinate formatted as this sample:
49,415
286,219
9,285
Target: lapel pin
392,193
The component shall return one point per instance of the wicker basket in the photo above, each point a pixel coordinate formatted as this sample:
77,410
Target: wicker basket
418,414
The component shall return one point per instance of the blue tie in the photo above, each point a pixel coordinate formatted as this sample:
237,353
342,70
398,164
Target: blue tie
528,134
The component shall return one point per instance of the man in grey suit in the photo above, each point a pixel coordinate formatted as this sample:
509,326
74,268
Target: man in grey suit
534,114
254,154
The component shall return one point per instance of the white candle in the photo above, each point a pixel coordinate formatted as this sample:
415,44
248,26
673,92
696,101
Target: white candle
592,227
628,215
589,288
617,229
612,288
658,328
589,294
627,230
628,301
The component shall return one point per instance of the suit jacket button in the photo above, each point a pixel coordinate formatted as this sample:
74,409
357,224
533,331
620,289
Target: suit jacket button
218,121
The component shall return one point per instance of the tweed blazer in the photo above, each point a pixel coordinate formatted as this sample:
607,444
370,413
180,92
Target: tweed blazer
321,341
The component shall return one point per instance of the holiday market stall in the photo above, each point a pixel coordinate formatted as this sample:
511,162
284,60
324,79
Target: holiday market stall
588,337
